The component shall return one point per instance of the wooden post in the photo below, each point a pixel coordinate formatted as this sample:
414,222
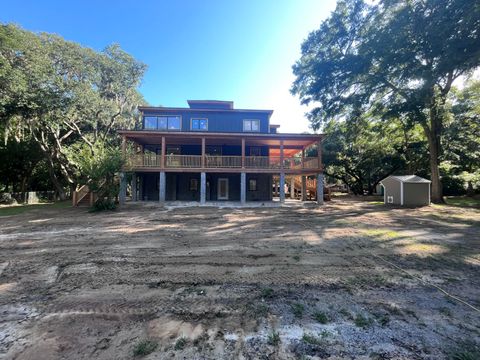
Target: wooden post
124,146
281,155
303,158
162,157
243,153
319,153
203,153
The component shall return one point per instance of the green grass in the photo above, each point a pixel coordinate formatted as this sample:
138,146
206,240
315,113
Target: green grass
273,338
362,321
321,317
462,201
180,344
297,309
144,347
20,209
267,293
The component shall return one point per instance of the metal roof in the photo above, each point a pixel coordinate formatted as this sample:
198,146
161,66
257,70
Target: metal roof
409,179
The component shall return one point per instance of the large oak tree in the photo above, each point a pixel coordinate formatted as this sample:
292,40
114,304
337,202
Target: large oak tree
395,57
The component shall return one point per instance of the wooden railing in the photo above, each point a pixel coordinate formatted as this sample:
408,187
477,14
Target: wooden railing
217,161
79,194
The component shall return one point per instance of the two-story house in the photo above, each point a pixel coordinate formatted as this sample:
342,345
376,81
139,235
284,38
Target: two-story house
211,151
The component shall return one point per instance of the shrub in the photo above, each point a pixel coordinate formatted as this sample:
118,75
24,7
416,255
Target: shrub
144,347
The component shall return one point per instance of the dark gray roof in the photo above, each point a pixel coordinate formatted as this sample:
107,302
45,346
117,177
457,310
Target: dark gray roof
409,179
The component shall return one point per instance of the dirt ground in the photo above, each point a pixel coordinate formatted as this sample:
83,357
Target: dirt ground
351,280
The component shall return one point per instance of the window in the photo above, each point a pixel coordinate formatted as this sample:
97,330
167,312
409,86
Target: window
255,151
199,124
193,185
173,150
162,122
150,122
251,125
252,185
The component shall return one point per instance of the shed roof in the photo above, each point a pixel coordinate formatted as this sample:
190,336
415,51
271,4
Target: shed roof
409,179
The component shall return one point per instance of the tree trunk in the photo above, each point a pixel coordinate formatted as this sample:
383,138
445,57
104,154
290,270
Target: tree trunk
433,136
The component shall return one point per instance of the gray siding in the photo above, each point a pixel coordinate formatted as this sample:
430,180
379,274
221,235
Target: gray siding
416,194
392,188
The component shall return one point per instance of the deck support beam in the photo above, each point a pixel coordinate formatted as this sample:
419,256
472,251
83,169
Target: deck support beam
203,188
282,187
123,188
243,188
304,188
292,187
320,188
134,187
161,187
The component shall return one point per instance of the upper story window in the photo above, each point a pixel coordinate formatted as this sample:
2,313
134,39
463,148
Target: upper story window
251,125
162,122
199,124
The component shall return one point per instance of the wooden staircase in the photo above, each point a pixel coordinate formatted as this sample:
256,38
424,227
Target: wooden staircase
311,187
83,197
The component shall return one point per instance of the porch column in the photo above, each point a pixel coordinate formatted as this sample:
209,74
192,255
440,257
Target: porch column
304,188
134,187
303,158
203,187
292,187
243,187
140,187
319,154
123,188
161,187
203,153
320,188
243,153
282,187
162,156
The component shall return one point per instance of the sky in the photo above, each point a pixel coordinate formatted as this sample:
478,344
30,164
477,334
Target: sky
239,50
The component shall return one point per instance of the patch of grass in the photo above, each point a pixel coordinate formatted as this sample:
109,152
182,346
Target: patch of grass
20,209
257,310
467,350
346,313
297,309
144,347
267,293
311,339
180,344
462,201
362,321
273,338
381,233
296,257
321,317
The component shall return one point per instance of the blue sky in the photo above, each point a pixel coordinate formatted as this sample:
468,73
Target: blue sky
218,50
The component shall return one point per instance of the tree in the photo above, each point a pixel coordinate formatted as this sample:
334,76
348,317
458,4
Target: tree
397,57
60,93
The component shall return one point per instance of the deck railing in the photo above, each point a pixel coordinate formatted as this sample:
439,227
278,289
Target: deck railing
217,161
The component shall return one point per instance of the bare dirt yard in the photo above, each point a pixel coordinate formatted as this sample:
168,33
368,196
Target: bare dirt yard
349,280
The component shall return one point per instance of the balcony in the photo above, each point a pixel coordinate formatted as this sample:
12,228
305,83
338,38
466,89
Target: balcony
154,161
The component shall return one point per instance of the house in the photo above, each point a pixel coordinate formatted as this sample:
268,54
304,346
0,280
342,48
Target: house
211,151
408,190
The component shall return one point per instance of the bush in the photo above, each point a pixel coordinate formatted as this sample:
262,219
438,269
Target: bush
103,204
453,185
7,199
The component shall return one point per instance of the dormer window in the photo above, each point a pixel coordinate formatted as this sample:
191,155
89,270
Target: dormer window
198,124
252,125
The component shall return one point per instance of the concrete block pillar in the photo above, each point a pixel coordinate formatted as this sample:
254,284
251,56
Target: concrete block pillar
134,187
162,187
203,188
282,187
320,189
122,195
292,187
243,188
304,188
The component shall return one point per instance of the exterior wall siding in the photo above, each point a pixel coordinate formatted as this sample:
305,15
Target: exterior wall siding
416,194
392,188
218,121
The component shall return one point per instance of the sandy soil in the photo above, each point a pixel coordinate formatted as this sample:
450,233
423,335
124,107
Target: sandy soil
348,280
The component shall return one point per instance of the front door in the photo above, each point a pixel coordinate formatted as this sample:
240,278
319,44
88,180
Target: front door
222,189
